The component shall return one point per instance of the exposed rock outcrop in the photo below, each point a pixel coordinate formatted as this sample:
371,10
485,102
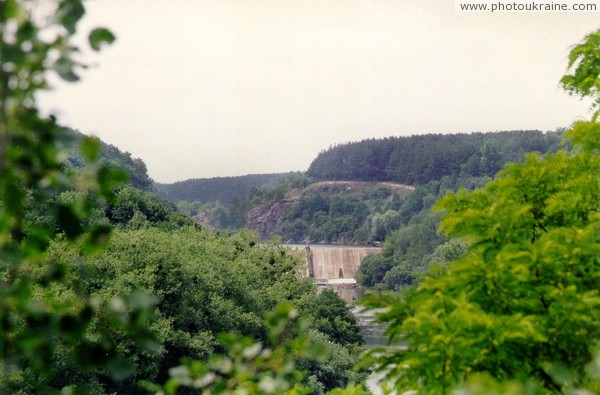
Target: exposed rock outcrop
267,219
264,220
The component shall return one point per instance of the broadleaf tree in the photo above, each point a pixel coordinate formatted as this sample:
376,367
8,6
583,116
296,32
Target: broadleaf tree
37,320
519,311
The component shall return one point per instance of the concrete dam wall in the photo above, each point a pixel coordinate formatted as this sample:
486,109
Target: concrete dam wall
331,262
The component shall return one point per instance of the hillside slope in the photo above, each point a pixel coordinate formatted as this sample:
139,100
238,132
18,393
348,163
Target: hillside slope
218,189
356,192
340,207
418,159
69,140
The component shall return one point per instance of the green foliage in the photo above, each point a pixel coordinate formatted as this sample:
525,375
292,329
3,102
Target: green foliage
584,80
524,301
333,317
430,161
292,360
411,238
383,224
373,269
295,180
491,157
419,159
76,317
219,189
44,313
450,251
249,366
138,209
230,284
231,198
100,36
333,371
79,147
322,212
326,212
405,256
319,218
206,283
517,311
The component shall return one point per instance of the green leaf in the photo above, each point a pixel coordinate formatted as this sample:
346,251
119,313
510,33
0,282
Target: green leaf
100,36
108,178
12,10
96,240
151,387
69,13
90,148
120,368
64,68
68,221
561,375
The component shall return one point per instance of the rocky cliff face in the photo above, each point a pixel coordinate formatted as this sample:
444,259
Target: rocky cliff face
264,220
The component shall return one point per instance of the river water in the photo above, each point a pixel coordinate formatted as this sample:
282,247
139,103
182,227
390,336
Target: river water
373,333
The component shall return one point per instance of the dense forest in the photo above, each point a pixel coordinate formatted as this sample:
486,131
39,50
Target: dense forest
416,160
69,140
326,212
106,289
212,190
231,283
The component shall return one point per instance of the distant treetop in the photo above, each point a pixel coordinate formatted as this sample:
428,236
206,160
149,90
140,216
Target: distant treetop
416,160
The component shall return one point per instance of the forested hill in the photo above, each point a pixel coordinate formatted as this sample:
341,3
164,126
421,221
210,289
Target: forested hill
69,140
218,189
416,160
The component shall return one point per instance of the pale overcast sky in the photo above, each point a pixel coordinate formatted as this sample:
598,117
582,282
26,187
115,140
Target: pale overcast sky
207,88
